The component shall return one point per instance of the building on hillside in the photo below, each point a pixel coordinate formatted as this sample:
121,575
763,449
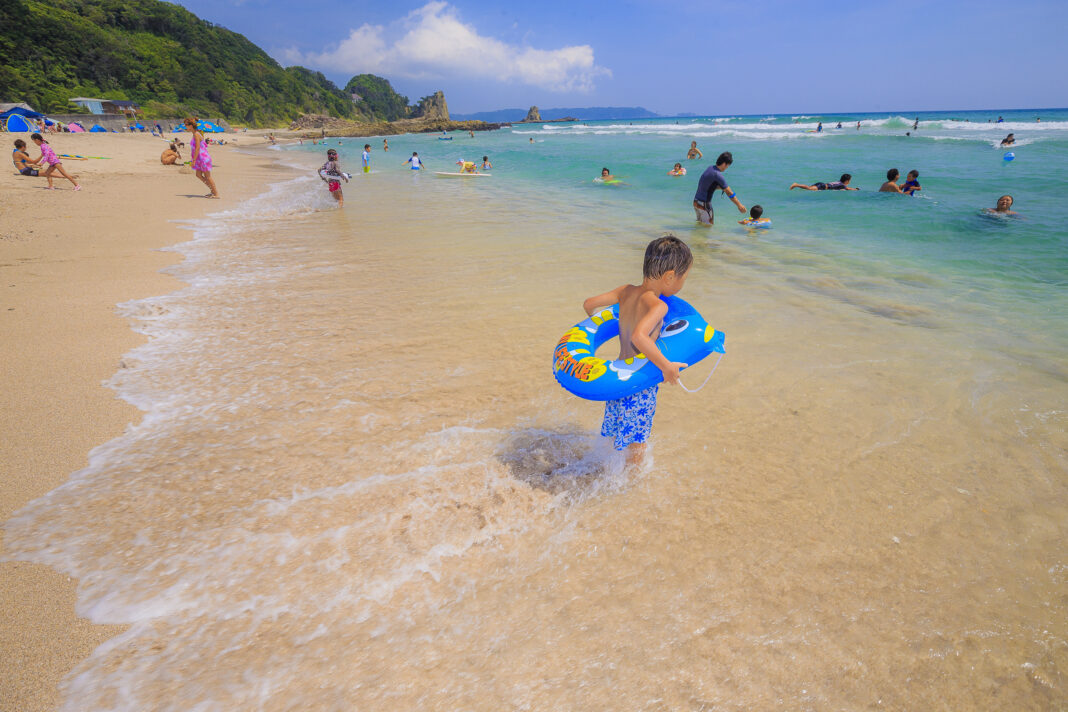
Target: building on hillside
18,105
107,106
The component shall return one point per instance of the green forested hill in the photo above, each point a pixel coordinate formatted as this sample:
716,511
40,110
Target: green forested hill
377,97
155,53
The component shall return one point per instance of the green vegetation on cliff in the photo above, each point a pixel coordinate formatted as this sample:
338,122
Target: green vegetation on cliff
377,99
155,53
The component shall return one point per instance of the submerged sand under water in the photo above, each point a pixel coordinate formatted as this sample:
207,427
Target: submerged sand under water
357,486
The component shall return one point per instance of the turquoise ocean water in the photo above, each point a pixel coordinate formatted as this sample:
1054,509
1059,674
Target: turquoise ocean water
937,249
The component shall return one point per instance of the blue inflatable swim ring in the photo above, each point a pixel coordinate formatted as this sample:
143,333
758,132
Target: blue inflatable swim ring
1009,156
686,338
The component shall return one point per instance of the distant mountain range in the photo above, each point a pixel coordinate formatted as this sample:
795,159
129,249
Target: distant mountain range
590,113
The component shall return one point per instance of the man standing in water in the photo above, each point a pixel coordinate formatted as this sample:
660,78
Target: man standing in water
711,179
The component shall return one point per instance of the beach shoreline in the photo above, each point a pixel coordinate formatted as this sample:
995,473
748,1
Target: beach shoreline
68,259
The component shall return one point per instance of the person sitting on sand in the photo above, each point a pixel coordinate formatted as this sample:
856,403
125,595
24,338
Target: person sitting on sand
840,184
170,156
911,186
54,164
694,151
678,170
1008,140
1004,206
22,161
891,186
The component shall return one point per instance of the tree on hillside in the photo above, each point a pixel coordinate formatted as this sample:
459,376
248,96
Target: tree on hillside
375,97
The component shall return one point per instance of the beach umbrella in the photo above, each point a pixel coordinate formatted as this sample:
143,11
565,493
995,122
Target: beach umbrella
75,127
97,128
17,124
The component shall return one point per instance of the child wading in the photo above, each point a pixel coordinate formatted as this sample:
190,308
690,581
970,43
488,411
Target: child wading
629,420
54,164
331,173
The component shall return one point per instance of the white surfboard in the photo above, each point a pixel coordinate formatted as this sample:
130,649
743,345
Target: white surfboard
461,175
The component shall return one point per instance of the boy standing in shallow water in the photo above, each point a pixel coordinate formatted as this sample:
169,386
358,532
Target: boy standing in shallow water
332,174
629,420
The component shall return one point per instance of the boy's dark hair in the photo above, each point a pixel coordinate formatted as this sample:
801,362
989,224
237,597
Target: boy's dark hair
892,174
331,152
755,212
20,144
367,145
665,254
37,137
914,174
485,158
415,153
605,170
845,178
725,157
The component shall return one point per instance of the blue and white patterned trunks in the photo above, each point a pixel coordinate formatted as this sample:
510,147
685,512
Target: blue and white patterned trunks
629,419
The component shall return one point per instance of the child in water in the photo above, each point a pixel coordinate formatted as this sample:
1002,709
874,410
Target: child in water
678,170
331,173
366,158
629,420
911,186
416,164
486,165
755,219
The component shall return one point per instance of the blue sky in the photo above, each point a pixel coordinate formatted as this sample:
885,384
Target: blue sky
724,57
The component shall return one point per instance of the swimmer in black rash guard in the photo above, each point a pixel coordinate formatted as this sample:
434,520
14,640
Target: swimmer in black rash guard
840,184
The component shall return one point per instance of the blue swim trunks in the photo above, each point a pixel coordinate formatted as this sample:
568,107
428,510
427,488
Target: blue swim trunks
629,419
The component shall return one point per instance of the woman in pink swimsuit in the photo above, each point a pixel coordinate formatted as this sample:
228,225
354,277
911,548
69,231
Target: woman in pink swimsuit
54,164
201,159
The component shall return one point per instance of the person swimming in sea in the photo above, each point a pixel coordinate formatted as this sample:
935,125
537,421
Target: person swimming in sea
891,186
840,184
1008,140
911,186
607,178
1004,206
694,151
678,170
756,218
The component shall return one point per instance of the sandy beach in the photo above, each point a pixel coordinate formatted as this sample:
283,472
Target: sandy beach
67,259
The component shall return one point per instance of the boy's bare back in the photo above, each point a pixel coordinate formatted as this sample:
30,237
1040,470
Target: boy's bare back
635,302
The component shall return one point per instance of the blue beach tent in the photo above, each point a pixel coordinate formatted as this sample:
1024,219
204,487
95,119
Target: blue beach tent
97,128
19,111
17,124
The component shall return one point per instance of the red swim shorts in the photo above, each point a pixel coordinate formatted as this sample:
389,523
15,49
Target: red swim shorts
335,185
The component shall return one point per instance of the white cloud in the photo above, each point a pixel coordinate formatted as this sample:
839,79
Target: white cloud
432,42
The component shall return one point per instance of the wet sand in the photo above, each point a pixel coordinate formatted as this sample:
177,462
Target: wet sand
66,259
